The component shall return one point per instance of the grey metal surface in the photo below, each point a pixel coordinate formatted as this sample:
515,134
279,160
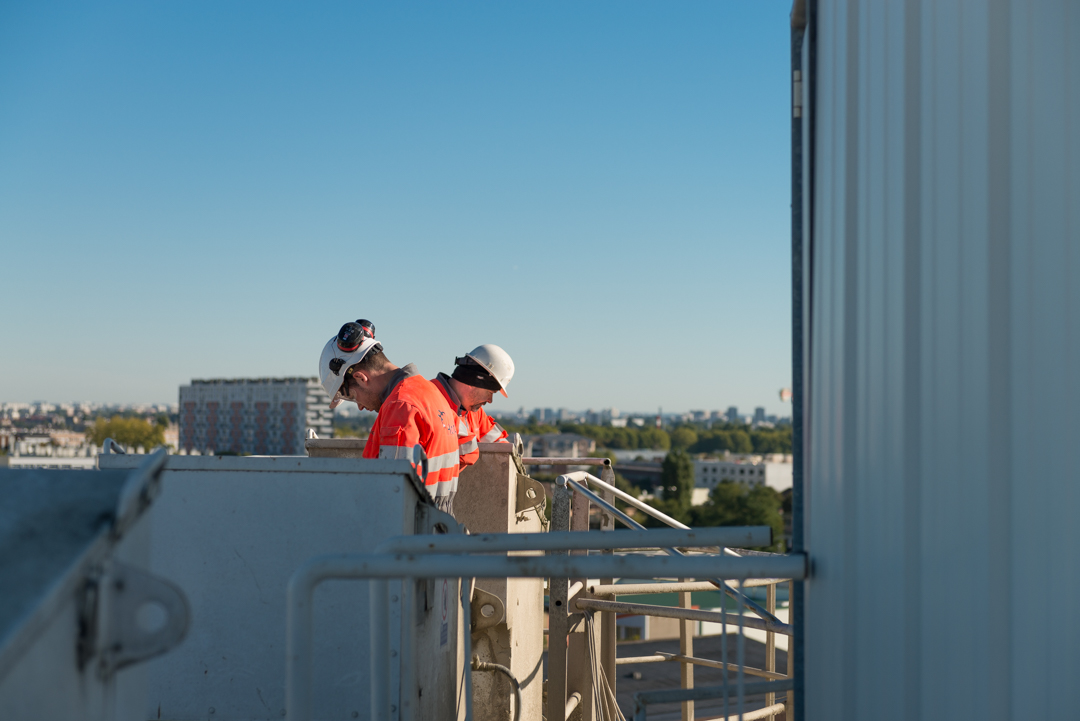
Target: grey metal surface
230,531
565,540
944,345
58,657
48,519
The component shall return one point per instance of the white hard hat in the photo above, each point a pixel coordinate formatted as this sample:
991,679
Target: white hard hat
495,361
350,346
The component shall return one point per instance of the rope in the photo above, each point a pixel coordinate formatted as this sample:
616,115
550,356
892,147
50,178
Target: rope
602,690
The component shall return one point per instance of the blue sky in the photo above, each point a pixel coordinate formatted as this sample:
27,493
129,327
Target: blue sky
208,189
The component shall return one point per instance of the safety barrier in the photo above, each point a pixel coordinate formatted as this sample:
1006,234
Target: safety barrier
582,639
572,498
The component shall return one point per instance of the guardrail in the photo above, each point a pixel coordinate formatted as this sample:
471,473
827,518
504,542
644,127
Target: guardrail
454,562
572,498
582,661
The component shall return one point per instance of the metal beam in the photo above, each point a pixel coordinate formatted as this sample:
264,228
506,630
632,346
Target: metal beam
575,540
685,614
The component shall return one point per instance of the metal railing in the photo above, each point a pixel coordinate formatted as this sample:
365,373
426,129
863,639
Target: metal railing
583,603
443,556
572,498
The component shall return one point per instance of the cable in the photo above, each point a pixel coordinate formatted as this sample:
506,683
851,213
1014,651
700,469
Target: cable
479,665
602,690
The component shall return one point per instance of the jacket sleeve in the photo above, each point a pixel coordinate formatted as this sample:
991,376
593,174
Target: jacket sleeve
468,450
489,431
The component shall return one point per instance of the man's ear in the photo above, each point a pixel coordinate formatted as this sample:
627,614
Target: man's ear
361,377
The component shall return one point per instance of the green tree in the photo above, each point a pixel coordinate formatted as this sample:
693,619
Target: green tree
655,438
771,440
130,432
735,504
740,442
677,479
683,437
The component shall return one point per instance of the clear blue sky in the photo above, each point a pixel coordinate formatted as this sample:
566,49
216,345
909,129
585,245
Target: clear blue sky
210,189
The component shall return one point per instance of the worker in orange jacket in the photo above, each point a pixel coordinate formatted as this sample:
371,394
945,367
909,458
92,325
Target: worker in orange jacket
410,410
482,371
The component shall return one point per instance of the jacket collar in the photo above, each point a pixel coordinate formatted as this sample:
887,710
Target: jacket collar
448,390
399,375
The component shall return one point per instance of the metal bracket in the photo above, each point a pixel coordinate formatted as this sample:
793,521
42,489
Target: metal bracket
483,601
144,616
530,494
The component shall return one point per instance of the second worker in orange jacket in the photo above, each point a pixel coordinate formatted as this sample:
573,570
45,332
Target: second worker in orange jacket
476,377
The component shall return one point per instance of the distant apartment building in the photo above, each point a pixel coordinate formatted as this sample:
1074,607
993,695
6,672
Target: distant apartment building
773,471
544,415
759,415
558,445
601,417
732,414
257,416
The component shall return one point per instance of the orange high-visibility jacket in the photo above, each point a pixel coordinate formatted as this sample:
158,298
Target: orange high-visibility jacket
474,427
414,412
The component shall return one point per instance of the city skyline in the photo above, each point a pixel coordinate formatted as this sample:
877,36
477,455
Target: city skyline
6,407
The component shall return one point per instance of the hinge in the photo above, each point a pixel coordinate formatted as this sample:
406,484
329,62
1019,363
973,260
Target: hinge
487,610
530,494
136,616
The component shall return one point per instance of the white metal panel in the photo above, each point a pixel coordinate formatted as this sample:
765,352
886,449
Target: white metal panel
231,531
945,336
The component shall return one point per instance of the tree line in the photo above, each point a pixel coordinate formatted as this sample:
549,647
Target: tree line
131,432
729,504
689,437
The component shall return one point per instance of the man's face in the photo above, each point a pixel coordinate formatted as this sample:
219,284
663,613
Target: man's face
359,392
473,398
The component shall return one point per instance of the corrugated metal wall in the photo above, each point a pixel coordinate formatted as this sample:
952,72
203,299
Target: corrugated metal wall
942,500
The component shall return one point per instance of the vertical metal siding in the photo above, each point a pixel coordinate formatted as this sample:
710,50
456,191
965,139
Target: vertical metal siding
944,343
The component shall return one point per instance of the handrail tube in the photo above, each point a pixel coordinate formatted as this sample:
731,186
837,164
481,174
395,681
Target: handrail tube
627,498
662,657
541,461
763,673
647,509
574,590
644,589
701,693
407,565
302,584
572,703
575,540
568,481
766,712
685,614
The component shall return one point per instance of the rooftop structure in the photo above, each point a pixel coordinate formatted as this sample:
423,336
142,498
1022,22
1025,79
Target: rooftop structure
774,474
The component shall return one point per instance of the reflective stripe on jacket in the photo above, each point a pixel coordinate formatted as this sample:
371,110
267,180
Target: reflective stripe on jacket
412,413
474,427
